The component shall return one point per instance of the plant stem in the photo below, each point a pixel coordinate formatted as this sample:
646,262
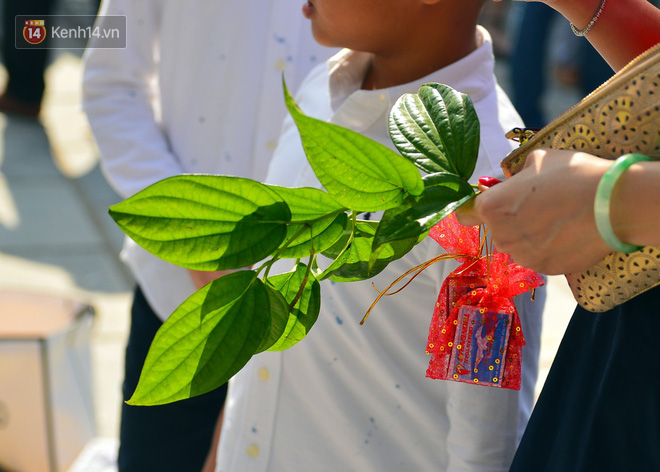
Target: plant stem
304,282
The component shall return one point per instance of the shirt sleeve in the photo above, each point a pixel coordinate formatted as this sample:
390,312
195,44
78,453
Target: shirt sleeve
120,92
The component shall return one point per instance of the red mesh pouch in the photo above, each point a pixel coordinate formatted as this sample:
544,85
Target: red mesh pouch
475,334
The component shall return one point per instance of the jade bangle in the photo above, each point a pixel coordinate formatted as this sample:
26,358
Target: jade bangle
603,200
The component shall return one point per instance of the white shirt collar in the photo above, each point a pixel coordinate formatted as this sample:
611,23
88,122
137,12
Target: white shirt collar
472,75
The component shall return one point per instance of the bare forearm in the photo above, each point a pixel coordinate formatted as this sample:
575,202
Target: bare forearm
209,464
544,215
635,205
625,29
201,278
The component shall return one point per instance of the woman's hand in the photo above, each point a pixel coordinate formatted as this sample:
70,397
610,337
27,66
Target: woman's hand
543,216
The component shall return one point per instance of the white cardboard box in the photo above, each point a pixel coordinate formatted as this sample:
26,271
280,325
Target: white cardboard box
46,402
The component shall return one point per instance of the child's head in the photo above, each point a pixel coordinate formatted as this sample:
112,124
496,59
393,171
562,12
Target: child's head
383,26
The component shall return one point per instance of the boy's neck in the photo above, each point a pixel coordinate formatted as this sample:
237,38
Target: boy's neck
416,59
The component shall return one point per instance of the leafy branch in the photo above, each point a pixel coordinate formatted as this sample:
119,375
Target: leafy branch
215,222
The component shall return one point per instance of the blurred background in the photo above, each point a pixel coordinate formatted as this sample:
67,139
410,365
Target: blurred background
64,294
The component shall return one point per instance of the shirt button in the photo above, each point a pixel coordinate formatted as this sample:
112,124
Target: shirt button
252,450
264,374
271,145
280,65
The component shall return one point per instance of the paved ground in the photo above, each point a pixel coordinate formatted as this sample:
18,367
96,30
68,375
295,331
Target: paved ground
56,236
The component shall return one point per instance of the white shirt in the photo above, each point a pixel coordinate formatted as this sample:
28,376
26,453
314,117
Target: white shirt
355,398
198,89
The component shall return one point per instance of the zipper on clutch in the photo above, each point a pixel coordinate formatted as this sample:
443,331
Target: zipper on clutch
522,135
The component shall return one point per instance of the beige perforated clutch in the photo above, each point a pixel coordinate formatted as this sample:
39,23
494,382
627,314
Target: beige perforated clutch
622,116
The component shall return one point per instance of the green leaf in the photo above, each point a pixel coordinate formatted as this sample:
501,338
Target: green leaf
415,136
360,261
306,310
438,129
450,181
205,222
325,233
361,174
443,194
279,316
307,203
207,340
325,219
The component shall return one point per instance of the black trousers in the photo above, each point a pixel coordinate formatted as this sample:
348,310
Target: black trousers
174,437
25,67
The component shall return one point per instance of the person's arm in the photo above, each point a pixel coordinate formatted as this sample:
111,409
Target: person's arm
210,463
635,207
543,216
201,278
120,92
625,29
120,96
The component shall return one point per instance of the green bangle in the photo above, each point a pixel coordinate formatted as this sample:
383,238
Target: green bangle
602,201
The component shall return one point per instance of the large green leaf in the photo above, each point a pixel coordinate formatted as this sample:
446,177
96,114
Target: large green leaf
306,310
438,129
205,222
442,195
415,136
324,218
360,261
361,174
207,340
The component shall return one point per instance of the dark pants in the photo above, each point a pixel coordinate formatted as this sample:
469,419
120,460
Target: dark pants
174,437
25,67
528,59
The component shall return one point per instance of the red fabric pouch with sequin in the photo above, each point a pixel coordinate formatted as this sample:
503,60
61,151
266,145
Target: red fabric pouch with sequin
475,334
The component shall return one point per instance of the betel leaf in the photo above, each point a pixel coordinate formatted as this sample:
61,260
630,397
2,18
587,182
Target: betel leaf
307,203
305,312
415,136
324,221
208,339
450,181
219,222
205,222
360,173
279,317
437,129
454,115
443,194
360,261
317,237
